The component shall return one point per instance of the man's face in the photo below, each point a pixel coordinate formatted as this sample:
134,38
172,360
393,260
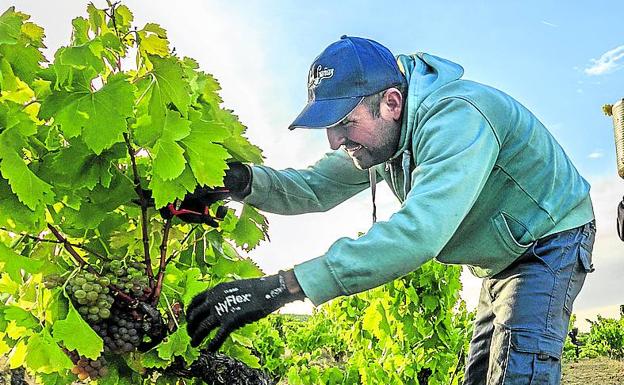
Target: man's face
368,140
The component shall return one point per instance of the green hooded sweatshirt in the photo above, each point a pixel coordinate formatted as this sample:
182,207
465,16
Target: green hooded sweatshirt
479,179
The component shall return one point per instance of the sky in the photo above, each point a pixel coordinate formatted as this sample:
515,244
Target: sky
563,62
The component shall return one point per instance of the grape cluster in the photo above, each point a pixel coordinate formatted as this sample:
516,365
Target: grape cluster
130,278
86,368
122,333
92,295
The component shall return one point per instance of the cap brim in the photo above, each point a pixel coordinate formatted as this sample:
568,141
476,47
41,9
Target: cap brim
325,113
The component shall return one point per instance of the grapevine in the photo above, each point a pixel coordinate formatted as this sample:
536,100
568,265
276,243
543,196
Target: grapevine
92,143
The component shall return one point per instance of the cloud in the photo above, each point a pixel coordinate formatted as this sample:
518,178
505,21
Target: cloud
549,24
596,154
609,61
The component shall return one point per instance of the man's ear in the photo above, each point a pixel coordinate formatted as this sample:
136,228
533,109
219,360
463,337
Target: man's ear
391,104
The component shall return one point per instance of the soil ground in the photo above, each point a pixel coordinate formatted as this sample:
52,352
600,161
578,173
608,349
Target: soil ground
597,371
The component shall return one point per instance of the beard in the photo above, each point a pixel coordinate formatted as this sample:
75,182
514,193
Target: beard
386,144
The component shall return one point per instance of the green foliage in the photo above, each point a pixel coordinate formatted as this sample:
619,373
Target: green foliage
414,330
605,338
114,112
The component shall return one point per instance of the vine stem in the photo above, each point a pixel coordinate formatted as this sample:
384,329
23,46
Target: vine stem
84,264
76,245
163,262
144,203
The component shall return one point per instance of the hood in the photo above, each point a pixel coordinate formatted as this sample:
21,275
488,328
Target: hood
424,73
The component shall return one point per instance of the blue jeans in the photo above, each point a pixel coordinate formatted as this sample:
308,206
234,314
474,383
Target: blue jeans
524,311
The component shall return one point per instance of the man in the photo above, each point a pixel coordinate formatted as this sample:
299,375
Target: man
481,183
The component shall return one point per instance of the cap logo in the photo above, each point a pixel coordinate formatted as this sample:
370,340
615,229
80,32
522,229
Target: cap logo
317,74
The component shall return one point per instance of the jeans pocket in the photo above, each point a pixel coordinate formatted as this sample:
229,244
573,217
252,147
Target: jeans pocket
519,357
583,266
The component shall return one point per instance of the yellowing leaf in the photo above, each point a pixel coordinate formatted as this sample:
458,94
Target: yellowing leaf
43,355
10,25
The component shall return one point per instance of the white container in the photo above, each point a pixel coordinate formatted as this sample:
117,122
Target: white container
618,130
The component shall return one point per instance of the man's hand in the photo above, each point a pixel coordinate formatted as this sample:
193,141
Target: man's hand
194,206
231,305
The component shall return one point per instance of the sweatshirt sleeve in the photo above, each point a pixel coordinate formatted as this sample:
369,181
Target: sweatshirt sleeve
455,150
330,181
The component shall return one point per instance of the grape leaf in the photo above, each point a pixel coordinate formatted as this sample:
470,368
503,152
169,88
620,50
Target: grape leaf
99,202
80,30
30,189
43,355
55,379
250,229
34,34
97,20
151,359
169,160
76,166
177,343
10,25
100,116
168,191
21,317
20,43
193,285
206,159
17,357
14,214
75,334
237,144
13,263
87,55
238,269
123,17
170,85
152,44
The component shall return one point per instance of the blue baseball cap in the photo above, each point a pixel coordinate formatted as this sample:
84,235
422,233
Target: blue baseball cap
341,76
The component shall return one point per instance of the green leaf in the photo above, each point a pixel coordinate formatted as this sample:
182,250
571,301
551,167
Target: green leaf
99,202
237,269
153,44
87,55
193,285
237,144
55,379
80,31
15,215
206,159
43,355
244,354
21,317
151,359
250,229
100,116
168,191
75,334
76,166
177,344
13,263
10,25
170,85
169,160
30,189
24,60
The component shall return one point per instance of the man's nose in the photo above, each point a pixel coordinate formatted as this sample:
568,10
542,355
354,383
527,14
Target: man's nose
336,137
